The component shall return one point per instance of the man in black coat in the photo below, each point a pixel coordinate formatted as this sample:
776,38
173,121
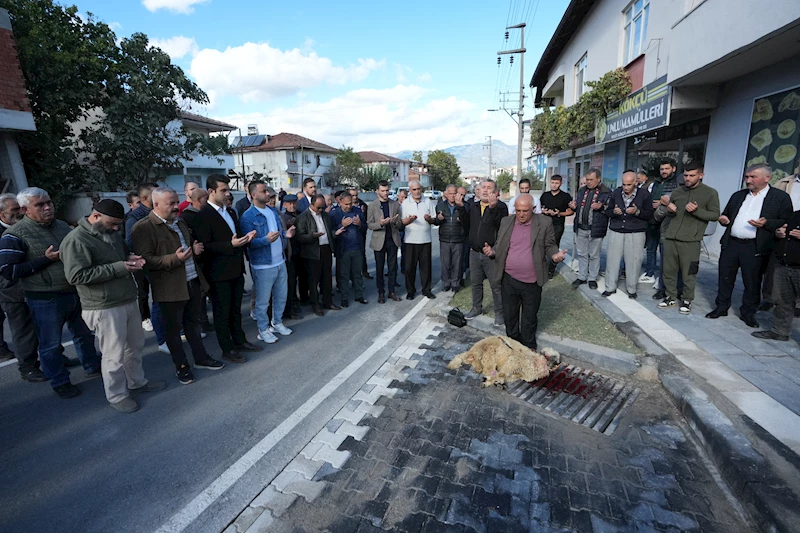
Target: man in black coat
223,265
316,235
751,217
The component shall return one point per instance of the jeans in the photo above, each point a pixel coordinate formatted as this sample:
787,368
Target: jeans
270,282
50,317
186,315
652,240
388,255
158,324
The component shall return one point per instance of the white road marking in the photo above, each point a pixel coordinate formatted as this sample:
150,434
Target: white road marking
9,362
191,511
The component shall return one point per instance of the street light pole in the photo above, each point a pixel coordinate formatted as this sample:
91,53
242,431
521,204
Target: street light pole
520,127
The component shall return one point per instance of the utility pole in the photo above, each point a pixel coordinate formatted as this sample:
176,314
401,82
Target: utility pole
521,52
489,144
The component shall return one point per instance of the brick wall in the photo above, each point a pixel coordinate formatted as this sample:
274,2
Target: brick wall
13,94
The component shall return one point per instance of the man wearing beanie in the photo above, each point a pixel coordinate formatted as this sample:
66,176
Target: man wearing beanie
98,264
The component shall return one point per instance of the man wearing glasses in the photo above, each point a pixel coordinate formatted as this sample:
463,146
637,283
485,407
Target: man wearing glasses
418,214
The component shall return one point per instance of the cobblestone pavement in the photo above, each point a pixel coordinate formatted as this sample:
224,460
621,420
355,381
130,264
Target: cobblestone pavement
430,450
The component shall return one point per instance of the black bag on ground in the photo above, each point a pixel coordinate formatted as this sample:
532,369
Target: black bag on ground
456,317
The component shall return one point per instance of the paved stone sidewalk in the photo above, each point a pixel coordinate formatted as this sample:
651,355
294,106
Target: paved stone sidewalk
429,450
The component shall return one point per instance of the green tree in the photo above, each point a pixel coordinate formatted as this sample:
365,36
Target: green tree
504,180
373,175
417,156
348,167
443,169
537,182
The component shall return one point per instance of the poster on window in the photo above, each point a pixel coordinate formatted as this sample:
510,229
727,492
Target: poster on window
774,135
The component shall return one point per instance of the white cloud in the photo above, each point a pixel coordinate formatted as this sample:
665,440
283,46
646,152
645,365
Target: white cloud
258,72
177,47
424,77
176,6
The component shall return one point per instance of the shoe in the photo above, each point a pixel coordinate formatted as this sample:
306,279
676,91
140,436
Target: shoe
686,307
381,299
577,283
267,337
456,289
660,295
185,375
410,296
293,316
208,327
593,285
769,335
332,307
362,301
473,313
608,293
69,362
716,313
147,324
253,316
67,390
163,348
34,376
247,347
667,302
93,374
394,297
499,322
280,329
644,278
750,320
317,310
234,357
765,306
366,275
126,405
150,386
633,296
429,295
210,364
345,303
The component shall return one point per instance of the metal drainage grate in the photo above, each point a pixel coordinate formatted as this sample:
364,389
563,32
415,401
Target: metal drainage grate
580,395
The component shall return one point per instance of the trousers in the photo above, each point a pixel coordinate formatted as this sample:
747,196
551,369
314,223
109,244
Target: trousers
629,246
521,303
740,255
450,254
418,254
386,255
482,267
26,348
349,266
185,315
588,249
226,300
680,260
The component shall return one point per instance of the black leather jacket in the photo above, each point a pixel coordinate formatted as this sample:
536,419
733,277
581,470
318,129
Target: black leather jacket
451,228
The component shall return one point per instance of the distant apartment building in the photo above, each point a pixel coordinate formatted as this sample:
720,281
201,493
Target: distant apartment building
713,80
398,167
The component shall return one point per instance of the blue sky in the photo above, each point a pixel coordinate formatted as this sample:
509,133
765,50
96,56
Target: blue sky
371,75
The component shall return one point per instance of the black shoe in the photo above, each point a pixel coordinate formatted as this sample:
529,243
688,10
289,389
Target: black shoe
366,275
429,295
410,296
332,307
769,335
593,285
185,375
660,295
210,364
248,347
93,373
381,298
577,283
67,390
345,303
393,297
34,376
608,293
750,320
361,300
208,327
633,296
456,289
70,363
234,357
765,306
716,313
317,310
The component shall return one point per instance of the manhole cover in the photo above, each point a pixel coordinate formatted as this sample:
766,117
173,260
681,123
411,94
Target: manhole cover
580,395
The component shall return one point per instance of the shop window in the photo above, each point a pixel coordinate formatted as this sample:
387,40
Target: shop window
580,76
636,16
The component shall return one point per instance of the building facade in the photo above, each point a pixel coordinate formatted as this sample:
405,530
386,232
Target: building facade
398,167
716,81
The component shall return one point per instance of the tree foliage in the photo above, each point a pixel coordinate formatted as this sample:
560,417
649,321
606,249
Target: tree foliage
417,156
443,169
554,130
373,175
348,169
504,179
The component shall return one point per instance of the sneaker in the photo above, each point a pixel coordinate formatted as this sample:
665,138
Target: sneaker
67,390
667,302
645,278
577,283
150,386
280,328
253,316
499,322
473,313
34,376
163,348
126,405
267,337
185,375
210,364
147,324
686,307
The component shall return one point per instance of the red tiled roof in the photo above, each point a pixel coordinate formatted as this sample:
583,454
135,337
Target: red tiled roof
290,141
13,93
377,157
223,126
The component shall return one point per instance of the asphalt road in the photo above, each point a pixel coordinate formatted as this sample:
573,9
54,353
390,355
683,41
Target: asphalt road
79,466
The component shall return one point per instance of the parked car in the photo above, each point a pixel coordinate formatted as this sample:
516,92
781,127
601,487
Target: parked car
433,195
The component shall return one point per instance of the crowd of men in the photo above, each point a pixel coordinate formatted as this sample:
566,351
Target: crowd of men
98,278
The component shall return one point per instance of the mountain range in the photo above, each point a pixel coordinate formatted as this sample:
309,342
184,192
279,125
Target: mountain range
473,159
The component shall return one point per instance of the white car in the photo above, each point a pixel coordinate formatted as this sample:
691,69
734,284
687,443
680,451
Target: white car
433,195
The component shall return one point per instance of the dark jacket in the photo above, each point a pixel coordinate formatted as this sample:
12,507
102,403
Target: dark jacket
483,228
599,225
131,219
626,223
221,260
241,206
306,225
289,220
353,236
787,250
156,243
188,215
543,238
451,229
777,209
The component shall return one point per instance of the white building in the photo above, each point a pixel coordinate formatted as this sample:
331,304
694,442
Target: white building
717,80
399,167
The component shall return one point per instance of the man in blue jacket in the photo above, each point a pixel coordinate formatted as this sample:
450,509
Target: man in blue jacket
267,259
351,226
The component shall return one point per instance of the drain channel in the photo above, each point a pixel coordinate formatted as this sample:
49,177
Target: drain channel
580,395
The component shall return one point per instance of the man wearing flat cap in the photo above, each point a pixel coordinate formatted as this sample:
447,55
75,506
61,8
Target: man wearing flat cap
97,262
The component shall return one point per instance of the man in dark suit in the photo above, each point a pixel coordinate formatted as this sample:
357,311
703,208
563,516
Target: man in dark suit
751,216
309,190
315,233
223,264
524,242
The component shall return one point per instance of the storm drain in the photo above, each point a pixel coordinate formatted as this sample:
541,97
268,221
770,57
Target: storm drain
580,395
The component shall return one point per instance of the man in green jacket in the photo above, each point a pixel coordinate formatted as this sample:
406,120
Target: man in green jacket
690,208
97,263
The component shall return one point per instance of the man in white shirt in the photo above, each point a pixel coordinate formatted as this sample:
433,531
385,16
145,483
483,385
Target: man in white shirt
418,214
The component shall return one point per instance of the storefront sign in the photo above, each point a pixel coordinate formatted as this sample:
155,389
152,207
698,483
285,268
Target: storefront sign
644,110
